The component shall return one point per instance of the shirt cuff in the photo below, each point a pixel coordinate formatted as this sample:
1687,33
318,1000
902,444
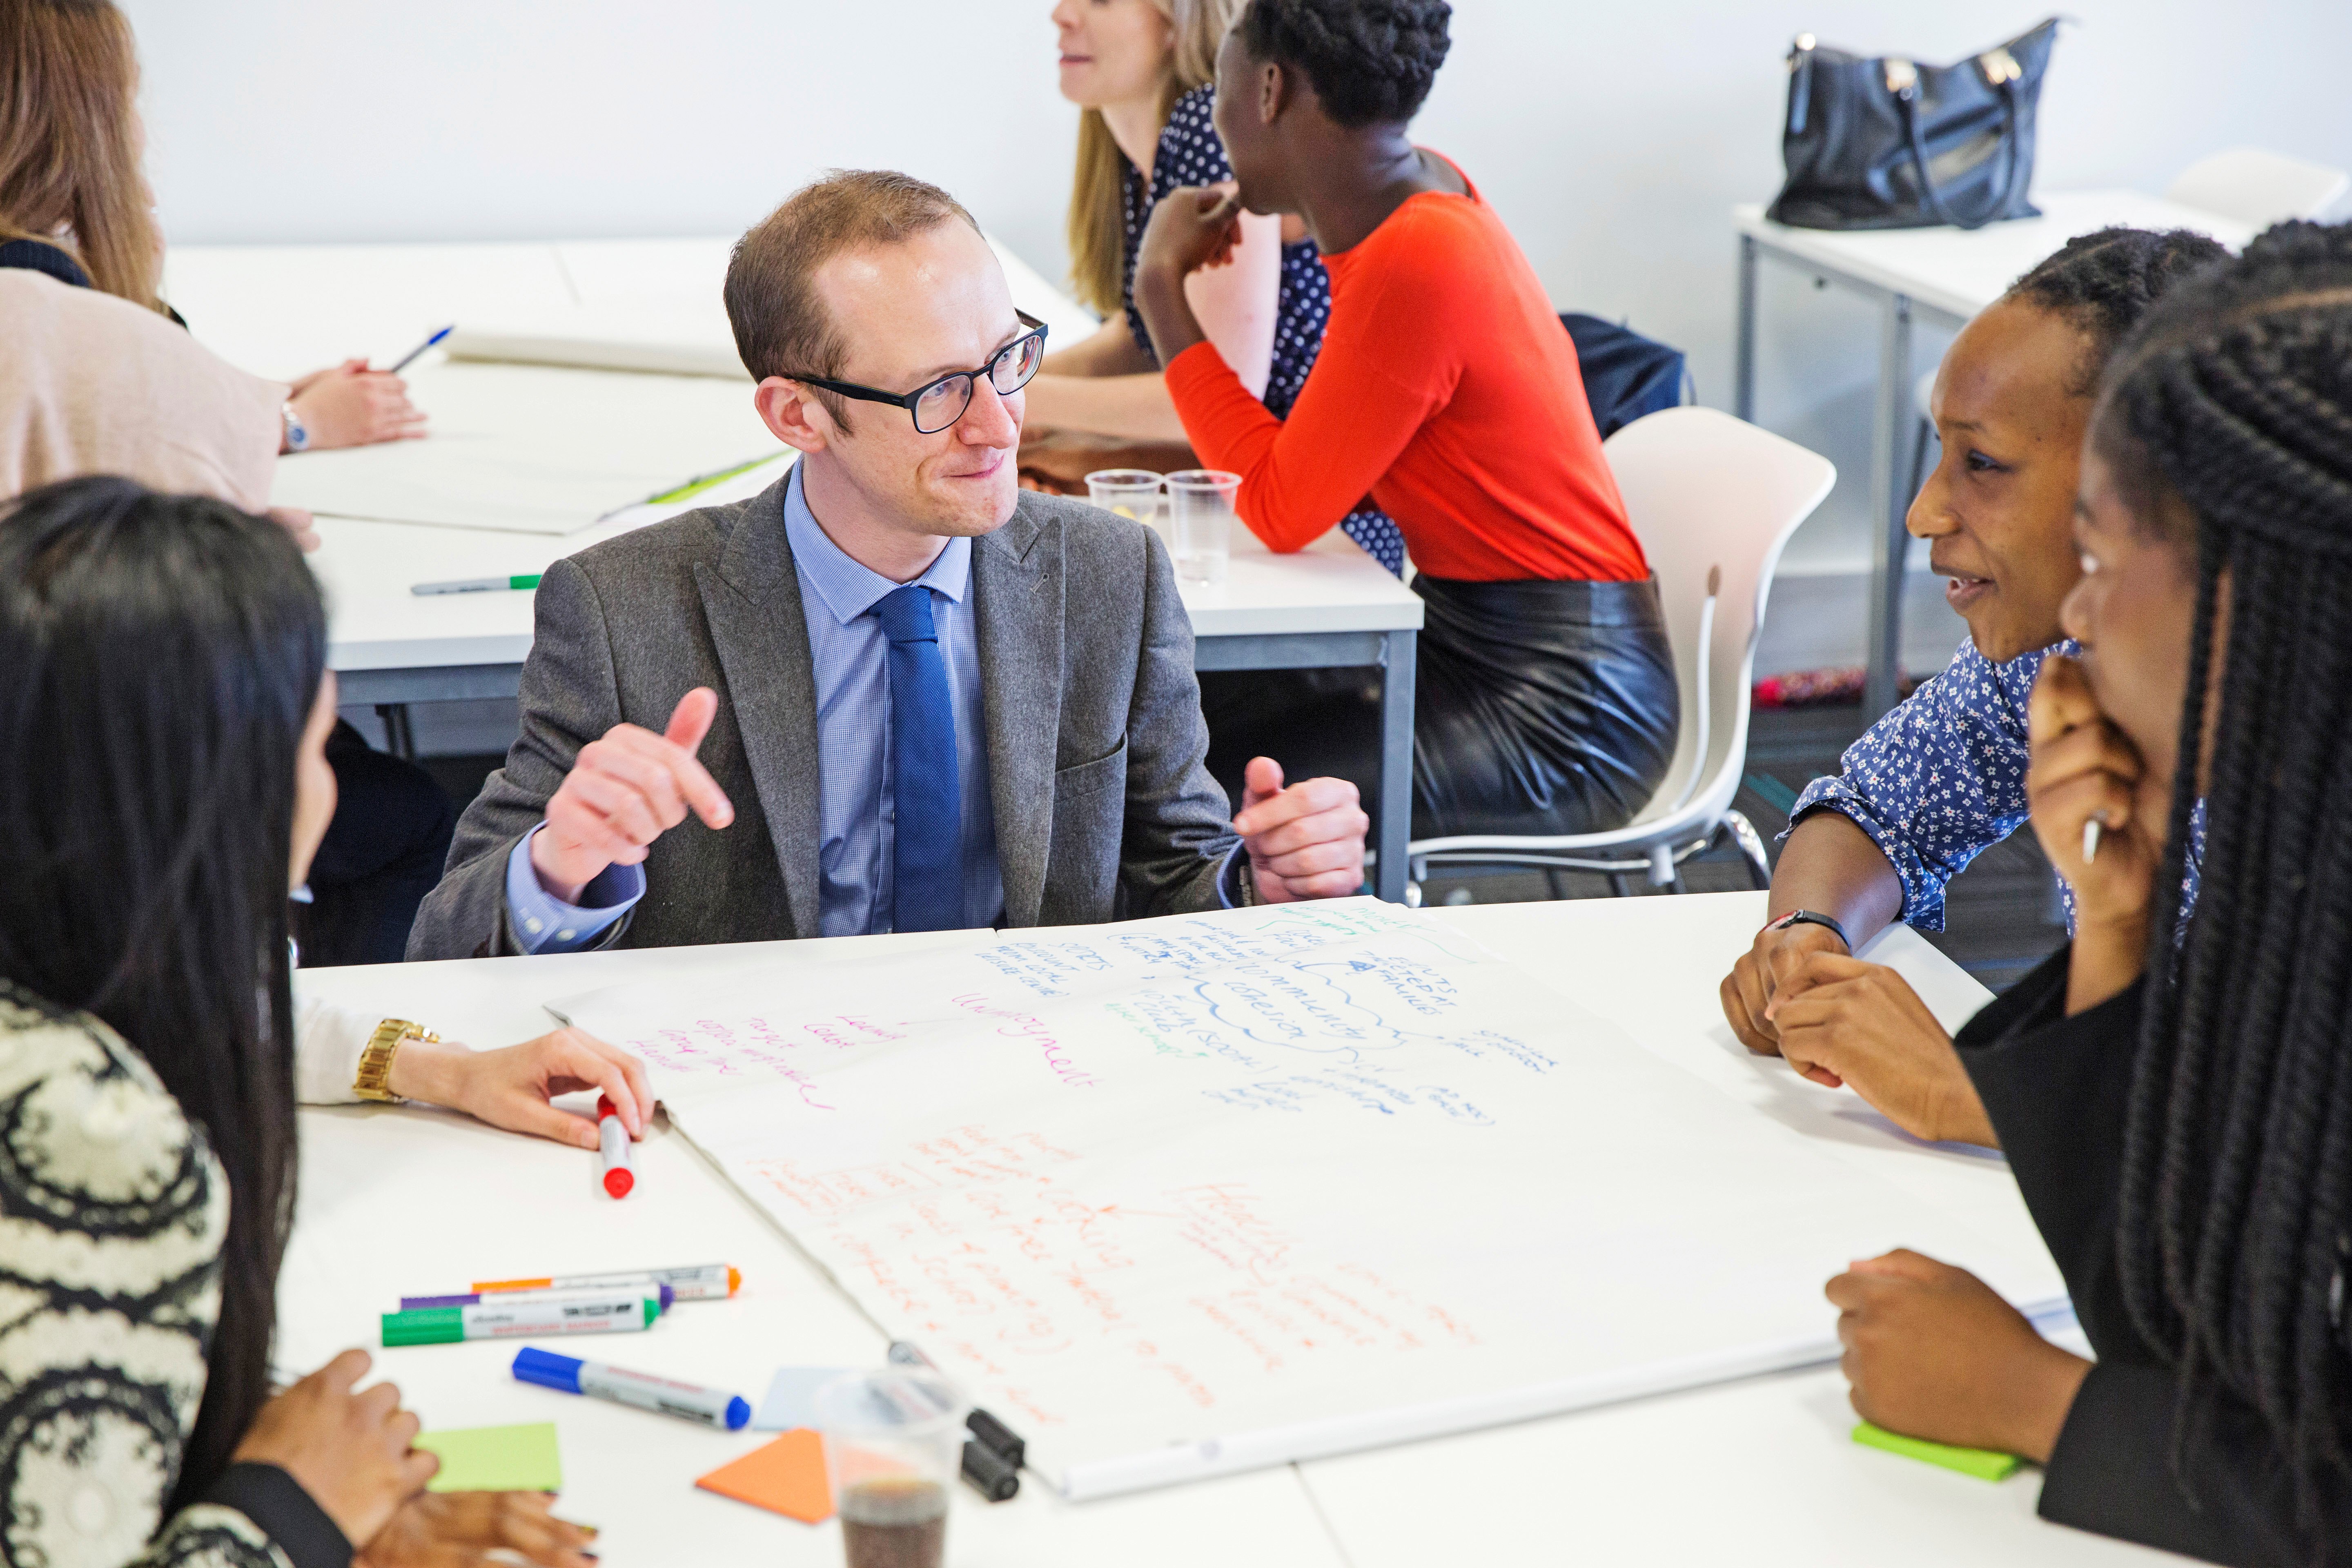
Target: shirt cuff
289,1516
541,922
1923,893
327,1043
1236,889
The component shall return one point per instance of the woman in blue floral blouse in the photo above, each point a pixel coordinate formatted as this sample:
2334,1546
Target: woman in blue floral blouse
1941,777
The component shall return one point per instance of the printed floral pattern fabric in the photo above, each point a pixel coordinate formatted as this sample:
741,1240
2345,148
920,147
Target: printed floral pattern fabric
113,1213
1190,155
1941,778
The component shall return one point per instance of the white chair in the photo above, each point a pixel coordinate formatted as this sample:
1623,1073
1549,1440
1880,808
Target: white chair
2258,187
1713,499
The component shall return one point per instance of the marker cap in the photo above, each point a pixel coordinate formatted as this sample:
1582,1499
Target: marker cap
548,1369
739,1413
432,1326
618,1181
987,1473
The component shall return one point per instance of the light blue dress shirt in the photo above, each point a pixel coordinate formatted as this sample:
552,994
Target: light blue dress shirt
849,655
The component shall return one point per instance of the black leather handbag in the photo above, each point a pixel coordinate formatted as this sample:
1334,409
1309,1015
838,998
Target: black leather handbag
1891,143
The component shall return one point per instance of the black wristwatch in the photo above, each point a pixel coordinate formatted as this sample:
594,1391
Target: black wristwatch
1811,917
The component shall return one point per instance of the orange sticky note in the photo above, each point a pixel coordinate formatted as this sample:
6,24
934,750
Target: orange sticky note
785,1477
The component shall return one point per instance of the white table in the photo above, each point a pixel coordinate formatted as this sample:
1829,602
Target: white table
1945,276
282,309
405,1200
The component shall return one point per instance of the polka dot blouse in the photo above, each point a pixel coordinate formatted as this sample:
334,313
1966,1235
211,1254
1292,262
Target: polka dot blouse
1190,155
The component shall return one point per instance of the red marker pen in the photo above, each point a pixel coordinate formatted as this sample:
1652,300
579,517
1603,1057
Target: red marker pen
612,1149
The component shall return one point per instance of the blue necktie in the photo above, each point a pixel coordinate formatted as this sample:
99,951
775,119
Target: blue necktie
926,857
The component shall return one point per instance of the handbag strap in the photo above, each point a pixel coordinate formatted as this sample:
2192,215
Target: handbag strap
2001,71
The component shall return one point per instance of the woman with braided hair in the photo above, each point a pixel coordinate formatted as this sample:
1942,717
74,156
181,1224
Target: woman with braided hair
2174,1090
1446,389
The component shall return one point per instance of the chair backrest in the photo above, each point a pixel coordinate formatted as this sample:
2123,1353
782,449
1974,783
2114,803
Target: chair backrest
1712,498
2258,187
1626,374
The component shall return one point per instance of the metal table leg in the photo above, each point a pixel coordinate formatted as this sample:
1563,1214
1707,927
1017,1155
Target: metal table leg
399,735
1393,832
1743,371
1891,422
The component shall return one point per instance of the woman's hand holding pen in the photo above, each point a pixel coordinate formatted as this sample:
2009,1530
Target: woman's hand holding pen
350,405
2084,790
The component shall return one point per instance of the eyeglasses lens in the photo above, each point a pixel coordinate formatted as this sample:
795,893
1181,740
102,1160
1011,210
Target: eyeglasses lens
942,404
1011,371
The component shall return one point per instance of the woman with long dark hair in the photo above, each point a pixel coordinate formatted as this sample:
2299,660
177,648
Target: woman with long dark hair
163,784
2174,1090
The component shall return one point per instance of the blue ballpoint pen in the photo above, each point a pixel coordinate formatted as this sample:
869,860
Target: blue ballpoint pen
406,359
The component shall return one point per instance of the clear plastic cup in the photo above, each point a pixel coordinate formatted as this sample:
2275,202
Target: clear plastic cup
1200,515
1133,493
893,1442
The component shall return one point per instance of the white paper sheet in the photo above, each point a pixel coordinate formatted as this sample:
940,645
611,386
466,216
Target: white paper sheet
1175,1198
534,450
657,305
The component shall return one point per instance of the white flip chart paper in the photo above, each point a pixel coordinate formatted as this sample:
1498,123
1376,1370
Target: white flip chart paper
1179,1197
659,305
532,449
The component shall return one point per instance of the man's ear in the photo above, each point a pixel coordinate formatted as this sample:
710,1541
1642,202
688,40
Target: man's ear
794,415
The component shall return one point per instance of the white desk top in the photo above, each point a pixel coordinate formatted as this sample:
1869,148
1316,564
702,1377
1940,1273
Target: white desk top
283,310
1755,1471
376,622
1963,270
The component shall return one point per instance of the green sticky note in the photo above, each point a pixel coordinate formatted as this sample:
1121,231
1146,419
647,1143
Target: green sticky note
1985,1464
495,1459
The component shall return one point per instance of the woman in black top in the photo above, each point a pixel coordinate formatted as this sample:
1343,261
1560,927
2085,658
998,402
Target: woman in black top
2175,1095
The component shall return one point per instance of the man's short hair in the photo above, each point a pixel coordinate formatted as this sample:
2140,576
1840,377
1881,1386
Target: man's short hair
781,327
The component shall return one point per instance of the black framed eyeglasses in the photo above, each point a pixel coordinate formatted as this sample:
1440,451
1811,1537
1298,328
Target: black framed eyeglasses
940,404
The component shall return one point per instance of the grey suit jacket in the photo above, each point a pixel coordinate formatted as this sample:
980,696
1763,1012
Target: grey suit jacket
1097,749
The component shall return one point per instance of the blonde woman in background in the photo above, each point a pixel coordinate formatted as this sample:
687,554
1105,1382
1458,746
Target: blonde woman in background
1142,72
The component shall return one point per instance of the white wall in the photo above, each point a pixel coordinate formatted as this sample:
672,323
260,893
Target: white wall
1612,137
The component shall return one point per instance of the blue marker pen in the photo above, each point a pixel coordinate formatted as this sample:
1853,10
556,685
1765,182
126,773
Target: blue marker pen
666,1396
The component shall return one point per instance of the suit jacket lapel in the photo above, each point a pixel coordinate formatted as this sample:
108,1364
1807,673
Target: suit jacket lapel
1016,576
751,599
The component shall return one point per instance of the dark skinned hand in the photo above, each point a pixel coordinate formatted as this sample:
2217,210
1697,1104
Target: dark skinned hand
1863,1026
1747,991
1931,1352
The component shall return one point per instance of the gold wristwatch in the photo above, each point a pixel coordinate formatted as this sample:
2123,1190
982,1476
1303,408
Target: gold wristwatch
373,1081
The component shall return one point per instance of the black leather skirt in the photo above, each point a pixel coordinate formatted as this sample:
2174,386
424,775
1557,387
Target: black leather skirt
1540,708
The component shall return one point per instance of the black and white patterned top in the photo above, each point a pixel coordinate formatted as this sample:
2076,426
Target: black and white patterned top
1190,154
113,1211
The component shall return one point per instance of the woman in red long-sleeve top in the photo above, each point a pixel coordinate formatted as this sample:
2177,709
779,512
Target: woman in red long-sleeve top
1449,392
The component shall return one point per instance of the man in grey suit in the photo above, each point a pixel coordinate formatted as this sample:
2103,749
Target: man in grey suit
894,691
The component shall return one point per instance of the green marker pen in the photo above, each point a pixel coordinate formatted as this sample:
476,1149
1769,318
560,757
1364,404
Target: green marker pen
525,580
589,1312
